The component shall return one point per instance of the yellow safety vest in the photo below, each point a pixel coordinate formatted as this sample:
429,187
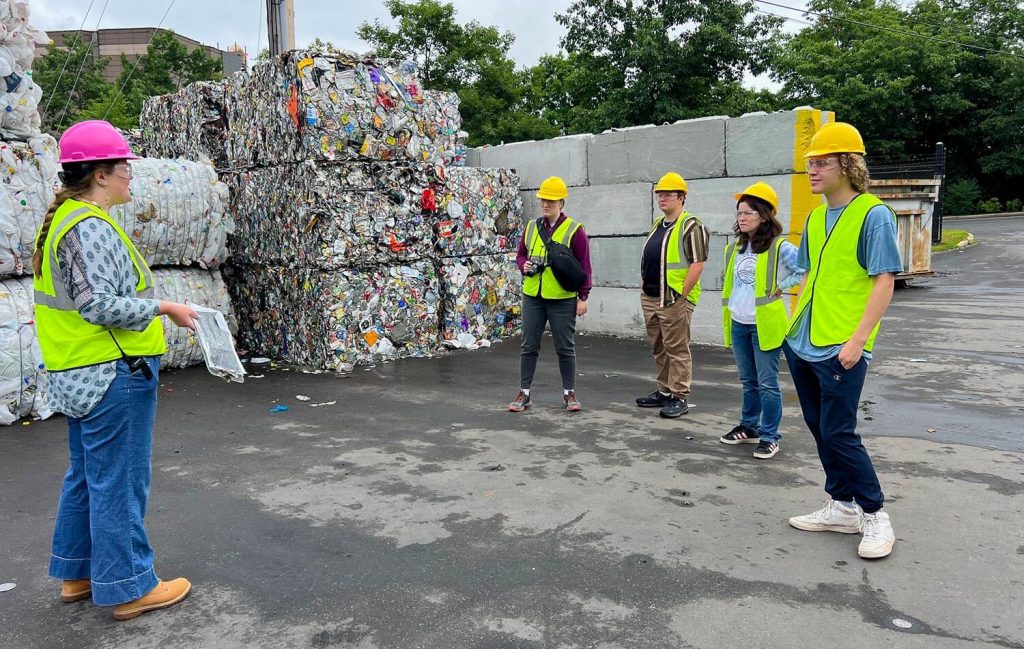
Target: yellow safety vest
673,258
544,283
66,340
838,287
769,311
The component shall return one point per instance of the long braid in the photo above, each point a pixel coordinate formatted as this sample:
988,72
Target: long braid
77,178
66,193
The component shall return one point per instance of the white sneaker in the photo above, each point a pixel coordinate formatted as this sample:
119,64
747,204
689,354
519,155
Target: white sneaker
878,536
833,517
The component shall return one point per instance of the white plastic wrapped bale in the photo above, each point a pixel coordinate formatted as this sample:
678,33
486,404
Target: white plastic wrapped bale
481,211
178,213
22,376
28,171
190,123
330,216
19,94
197,286
329,105
482,299
335,320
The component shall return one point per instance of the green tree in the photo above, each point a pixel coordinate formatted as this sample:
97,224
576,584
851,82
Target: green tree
632,62
68,97
962,197
470,59
167,66
900,74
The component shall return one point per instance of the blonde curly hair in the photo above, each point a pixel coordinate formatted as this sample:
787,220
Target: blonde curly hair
855,168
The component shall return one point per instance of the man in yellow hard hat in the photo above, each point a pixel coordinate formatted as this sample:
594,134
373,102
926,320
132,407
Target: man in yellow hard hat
672,262
850,252
546,297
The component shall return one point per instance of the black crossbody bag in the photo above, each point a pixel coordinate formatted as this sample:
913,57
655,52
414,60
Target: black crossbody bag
563,263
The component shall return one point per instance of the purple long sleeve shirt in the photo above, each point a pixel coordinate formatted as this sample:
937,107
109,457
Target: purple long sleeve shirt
580,246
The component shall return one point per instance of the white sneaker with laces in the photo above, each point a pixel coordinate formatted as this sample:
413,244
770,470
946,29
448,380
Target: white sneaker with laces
833,517
878,536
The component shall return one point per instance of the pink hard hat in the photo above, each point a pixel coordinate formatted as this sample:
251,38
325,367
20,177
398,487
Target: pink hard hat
93,140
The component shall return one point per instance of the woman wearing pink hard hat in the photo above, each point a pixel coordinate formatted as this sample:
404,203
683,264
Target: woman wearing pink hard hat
101,341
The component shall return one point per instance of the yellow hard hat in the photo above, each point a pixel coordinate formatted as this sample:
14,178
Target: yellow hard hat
763,191
839,137
553,189
671,182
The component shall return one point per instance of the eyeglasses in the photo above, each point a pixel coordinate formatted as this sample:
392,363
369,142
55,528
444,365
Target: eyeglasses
749,214
821,165
123,171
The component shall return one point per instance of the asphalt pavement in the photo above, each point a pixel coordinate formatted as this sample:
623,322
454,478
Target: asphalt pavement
417,512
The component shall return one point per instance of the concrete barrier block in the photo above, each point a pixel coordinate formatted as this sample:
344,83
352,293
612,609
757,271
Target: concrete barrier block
771,143
711,278
616,261
565,157
613,311
612,209
713,200
473,158
706,324
693,148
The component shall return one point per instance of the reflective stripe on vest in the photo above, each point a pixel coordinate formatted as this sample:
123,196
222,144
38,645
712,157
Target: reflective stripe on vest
770,312
544,284
673,256
68,341
837,288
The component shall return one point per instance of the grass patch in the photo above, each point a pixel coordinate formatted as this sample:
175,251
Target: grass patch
950,239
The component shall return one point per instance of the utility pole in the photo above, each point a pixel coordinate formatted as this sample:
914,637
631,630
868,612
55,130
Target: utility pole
281,25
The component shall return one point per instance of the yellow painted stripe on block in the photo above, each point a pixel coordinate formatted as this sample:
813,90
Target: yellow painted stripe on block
803,202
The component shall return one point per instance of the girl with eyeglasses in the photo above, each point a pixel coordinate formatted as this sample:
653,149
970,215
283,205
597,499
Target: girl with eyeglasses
759,267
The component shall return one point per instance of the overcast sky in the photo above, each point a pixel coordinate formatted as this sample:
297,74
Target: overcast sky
223,22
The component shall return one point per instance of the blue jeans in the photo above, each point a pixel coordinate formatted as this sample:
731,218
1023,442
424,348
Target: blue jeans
99,534
829,397
759,374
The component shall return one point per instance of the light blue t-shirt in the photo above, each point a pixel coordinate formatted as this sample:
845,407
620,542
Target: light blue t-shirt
877,250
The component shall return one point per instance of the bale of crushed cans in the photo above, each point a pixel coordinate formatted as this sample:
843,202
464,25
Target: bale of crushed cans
479,211
195,286
338,319
328,216
481,299
190,123
178,214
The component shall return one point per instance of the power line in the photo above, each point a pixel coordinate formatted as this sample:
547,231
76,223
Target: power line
132,71
80,68
890,29
67,58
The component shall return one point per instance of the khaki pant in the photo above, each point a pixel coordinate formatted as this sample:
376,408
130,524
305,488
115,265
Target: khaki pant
668,331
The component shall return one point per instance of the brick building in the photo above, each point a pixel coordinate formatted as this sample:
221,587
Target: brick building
132,42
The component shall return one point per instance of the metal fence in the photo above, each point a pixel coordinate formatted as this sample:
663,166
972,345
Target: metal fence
922,166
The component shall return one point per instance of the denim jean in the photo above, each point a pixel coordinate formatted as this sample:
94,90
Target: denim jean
759,374
561,316
829,397
99,532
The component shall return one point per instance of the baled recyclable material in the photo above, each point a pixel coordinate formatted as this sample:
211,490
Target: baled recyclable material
22,375
19,94
335,320
482,297
329,105
330,216
28,171
479,211
178,213
196,286
190,123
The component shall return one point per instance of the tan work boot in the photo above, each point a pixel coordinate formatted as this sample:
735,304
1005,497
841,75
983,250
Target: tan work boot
75,590
166,593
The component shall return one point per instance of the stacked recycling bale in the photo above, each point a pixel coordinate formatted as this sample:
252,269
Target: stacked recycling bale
351,210
28,173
